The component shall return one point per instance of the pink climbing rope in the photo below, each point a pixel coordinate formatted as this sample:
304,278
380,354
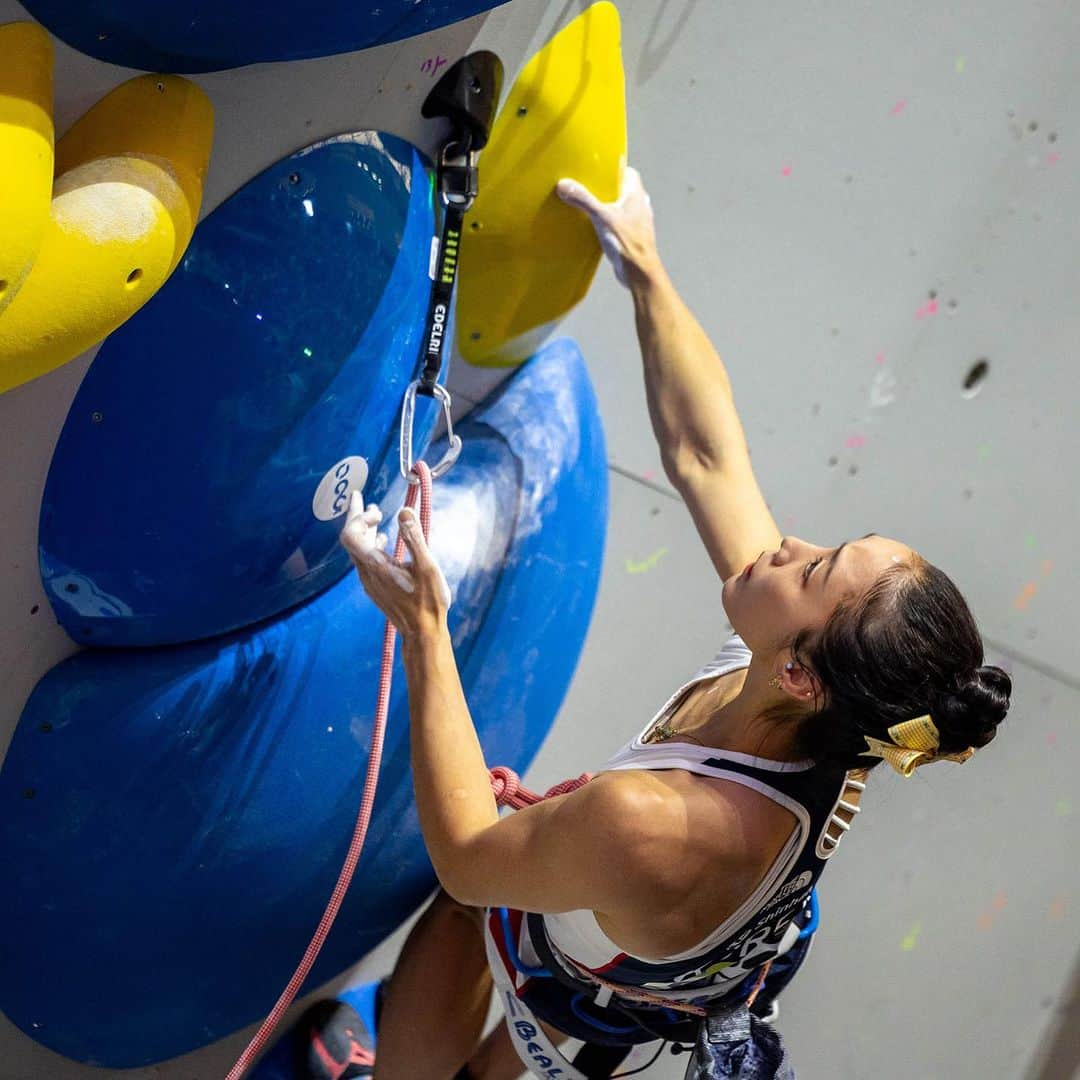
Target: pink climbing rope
367,801
507,789
505,784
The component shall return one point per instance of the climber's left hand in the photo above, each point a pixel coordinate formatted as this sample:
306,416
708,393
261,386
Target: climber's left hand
414,595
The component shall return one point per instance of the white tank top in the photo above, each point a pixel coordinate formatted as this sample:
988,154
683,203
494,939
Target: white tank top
577,933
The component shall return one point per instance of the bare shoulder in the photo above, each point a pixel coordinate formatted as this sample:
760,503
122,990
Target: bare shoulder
693,850
673,826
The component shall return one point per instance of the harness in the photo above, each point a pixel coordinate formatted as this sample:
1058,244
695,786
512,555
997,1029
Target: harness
700,1000
716,1024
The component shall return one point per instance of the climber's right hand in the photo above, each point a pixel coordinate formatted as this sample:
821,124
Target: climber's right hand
625,228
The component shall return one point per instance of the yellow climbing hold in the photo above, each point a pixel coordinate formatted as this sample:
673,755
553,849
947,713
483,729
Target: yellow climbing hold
129,181
26,150
526,257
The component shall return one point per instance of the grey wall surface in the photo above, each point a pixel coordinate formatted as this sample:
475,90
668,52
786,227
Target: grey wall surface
860,202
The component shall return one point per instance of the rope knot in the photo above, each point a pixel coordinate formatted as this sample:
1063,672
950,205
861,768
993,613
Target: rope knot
505,784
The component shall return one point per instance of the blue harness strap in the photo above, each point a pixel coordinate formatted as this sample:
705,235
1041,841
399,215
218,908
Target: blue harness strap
815,916
511,950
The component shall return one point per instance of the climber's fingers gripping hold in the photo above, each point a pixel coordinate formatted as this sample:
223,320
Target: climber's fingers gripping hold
625,228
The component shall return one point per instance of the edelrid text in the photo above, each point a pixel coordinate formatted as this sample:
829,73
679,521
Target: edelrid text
438,320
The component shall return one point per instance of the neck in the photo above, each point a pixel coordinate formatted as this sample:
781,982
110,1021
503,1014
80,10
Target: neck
738,725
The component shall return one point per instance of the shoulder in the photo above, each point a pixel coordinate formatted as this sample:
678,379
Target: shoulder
672,826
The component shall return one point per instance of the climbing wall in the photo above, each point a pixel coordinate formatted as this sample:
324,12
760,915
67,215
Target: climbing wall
871,209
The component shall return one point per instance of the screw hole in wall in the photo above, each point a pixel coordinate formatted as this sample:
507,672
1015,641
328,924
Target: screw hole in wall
134,277
976,376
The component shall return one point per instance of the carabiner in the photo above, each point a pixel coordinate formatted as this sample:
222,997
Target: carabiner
458,175
408,412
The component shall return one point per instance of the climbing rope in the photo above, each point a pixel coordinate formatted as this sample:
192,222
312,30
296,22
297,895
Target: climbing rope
505,783
422,485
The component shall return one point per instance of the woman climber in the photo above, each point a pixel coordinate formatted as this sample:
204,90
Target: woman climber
671,897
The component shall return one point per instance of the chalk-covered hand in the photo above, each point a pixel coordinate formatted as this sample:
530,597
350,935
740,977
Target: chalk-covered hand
415,595
625,228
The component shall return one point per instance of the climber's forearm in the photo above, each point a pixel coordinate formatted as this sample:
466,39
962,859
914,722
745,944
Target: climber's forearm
687,387
450,778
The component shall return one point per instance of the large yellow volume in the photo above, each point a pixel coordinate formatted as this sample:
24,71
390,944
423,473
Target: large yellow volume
129,181
526,257
26,150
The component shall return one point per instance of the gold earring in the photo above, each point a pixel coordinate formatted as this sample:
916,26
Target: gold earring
775,683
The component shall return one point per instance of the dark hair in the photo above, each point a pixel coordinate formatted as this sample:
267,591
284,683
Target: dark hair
906,647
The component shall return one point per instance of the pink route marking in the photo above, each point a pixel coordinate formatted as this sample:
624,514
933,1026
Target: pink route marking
1053,158
880,358
855,442
930,308
786,170
1028,591
899,107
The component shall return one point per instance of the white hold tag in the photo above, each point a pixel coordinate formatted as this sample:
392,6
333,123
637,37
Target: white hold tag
331,497
433,260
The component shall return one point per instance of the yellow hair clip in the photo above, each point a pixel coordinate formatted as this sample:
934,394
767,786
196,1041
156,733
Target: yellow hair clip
914,743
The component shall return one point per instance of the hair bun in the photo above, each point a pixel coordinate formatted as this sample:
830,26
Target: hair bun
969,714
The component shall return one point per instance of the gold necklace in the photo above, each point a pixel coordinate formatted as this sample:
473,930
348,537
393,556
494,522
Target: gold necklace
664,731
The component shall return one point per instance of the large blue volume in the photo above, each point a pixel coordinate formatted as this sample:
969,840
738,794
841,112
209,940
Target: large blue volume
208,35
173,820
199,478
